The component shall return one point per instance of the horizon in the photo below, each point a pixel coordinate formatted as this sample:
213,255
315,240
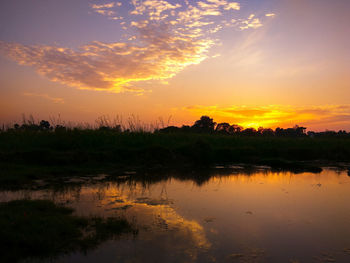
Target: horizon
253,63
126,124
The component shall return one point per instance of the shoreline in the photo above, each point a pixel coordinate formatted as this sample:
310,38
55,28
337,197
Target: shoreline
33,177
29,156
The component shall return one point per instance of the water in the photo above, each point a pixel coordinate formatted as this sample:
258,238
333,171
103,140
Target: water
259,216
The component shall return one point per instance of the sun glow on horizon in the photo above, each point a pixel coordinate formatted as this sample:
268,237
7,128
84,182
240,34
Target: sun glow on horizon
287,62
254,125
274,116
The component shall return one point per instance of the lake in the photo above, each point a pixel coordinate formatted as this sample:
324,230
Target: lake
228,215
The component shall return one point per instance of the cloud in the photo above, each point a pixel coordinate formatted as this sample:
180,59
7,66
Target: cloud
102,9
117,18
270,15
194,14
105,12
277,115
188,236
139,24
153,8
161,39
44,96
115,66
251,22
102,6
225,4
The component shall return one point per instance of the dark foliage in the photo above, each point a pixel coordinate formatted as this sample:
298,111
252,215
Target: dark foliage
204,125
34,151
42,229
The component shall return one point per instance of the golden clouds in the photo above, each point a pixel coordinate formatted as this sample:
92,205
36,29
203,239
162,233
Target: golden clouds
161,40
103,9
113,67
250,22
159,212
153,8
277,115
108,5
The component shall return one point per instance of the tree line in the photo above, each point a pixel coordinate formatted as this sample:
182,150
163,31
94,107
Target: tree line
204,125
207,125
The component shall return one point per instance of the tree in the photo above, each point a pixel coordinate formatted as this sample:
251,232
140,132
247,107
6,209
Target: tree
223,127
204,124
249,132
44,125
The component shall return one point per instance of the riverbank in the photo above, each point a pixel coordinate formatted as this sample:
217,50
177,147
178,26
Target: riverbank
26,156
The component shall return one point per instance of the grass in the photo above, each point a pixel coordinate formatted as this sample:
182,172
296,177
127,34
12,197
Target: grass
76,145
28,155
42,229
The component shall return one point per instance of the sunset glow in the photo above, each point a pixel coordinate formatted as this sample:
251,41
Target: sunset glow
252,63
278,115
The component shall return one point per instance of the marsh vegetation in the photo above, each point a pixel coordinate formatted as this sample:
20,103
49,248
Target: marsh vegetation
43,229
35,150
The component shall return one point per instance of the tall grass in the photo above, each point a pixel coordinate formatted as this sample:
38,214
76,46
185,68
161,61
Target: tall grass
130,124
115,142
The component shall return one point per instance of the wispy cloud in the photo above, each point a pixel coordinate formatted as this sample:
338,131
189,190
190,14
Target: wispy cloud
105,12
161,40
153,8
102,6
44,96
250,22
104,9
277,115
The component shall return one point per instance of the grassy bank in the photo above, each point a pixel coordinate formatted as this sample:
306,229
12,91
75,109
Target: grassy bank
27,155
41,229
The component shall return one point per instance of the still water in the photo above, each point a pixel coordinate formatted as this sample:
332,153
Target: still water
260,216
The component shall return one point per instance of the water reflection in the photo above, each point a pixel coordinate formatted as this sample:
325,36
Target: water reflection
236,216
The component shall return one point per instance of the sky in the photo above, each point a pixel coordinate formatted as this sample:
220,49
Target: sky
270,63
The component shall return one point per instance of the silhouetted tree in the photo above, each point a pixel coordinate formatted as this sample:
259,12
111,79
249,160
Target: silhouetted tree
236,128
296,131
204,124
223,127
44,125
299,131
267,132
226,128
249,132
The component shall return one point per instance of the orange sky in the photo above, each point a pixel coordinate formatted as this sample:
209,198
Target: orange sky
254,63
